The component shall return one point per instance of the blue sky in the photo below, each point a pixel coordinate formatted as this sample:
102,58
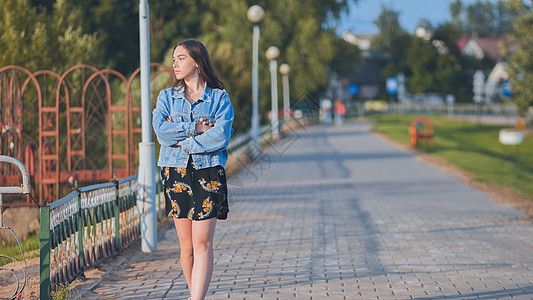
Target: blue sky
365,12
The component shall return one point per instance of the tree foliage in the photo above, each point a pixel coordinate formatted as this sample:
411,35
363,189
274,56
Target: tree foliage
40,39
482,18
454,75
520,58
116,24
391,44
297,28
105,34
392,39
422,60
435,63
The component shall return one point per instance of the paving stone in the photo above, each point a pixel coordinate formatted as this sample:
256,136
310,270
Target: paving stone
339,213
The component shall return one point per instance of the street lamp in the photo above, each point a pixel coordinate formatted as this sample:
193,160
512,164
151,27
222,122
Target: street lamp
271,54
284,69
255,14
146,181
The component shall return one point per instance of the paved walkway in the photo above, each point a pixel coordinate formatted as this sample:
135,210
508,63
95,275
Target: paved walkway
339,213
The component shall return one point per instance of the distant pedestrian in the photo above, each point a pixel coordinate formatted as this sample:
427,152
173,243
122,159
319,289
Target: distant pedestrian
340,110
193,123
325,111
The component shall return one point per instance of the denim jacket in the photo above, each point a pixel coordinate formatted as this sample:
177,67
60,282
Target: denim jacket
207,149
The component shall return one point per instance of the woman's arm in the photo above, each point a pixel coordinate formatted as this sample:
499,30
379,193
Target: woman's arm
169,133
216,138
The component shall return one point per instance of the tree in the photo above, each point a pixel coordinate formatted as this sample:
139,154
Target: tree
300,29
456,11
421,59
44,39
73,45
19,33
391,35
297,28
346,58
166,29
391,44
116,25
505,16
456,66
482,18
520,58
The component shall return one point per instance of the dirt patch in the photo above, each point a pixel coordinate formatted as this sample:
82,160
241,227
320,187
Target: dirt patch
8,282
500,194
23,221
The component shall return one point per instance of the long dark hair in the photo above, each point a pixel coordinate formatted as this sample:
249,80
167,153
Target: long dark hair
199,53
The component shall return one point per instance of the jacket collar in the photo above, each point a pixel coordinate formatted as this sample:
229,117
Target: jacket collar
180,93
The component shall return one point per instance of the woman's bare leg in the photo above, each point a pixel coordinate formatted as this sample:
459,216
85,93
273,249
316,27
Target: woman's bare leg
184,229
202,240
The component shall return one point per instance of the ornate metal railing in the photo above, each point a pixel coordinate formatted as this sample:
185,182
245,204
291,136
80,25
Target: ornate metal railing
243,142
84,228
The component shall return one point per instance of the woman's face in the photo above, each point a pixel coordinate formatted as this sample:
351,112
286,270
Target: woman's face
184,66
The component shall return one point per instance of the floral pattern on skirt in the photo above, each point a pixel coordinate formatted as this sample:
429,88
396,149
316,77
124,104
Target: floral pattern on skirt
195,194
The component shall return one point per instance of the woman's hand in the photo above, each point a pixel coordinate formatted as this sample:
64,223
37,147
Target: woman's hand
169,119
203,126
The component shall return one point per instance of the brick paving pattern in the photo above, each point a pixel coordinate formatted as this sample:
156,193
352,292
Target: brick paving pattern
338,213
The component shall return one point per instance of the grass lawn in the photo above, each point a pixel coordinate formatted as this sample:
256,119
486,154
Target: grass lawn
471,146
12,250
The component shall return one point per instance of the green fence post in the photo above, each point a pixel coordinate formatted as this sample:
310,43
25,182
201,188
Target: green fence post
44,266
80,235
158,189
116,209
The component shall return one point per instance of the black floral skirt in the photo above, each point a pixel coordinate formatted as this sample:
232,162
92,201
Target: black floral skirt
195,194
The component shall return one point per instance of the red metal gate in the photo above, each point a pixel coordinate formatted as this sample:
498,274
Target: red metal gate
82,125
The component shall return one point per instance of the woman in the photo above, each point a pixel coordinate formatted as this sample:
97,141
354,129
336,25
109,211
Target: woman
192,121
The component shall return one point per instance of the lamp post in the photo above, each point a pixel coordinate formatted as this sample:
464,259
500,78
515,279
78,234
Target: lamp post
146,178
255,14
271,54
284,69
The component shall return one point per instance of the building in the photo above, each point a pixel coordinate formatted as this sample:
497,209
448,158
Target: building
489,49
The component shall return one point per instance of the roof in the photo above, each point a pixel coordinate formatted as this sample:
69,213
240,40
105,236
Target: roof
481,47
491,47
362,40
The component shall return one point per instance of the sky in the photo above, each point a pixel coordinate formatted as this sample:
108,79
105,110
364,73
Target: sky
365,12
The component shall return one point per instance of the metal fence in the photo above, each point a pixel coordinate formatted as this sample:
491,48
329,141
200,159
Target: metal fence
243,142
84,228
